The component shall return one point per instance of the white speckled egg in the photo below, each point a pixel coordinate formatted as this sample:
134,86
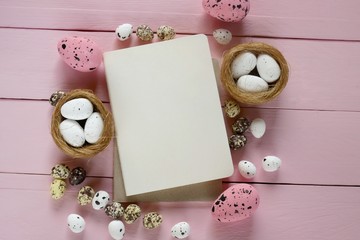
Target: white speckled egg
123,32
180,230
247,169
222,36
258,127
271,163
72,133
77,109
116,229
250,83
94,126
100,200
268,68
76,223
243,64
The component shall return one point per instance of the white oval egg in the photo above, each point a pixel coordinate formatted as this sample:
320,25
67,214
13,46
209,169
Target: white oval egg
72,132
268,68
258,127
76,223
243,64
77,109
100,199
250,83
93,129
116,229
124,31
222,36
271,163
180,230
247,169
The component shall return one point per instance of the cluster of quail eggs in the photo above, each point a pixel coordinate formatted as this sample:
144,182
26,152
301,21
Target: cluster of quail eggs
144,32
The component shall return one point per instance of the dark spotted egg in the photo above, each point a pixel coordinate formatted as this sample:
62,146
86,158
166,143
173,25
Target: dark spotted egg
80,53
236,203
227,10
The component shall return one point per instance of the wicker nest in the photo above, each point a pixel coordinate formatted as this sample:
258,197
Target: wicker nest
251,97
87,150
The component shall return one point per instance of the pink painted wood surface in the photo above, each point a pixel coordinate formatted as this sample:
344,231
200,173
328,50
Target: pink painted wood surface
296,212
320,74
280,18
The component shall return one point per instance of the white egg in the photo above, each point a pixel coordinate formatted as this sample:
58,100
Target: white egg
250,83
247,169
72,133
222,36
271,163
180,230
100,200
93,129
76,223
243,64
77,109
268,68
124,31
258,127
116,229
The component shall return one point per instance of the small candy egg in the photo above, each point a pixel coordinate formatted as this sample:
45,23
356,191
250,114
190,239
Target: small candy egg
152,220
123,32
60,171
57,188
232,109
222,36
240,125
76,223
271,163
77,109
236,203
116,229
132,213
72,133
237,141
180,230
268,68
114,210
85,195
100,200
80,53
166,32
55,97
227,10
243,64
250,83
247,169
258,127
145,33
77,176
94,127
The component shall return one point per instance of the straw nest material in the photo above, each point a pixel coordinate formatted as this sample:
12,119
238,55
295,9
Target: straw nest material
251,97
87,150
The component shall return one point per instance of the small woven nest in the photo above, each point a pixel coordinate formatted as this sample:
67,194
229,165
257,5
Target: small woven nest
251,97
87,150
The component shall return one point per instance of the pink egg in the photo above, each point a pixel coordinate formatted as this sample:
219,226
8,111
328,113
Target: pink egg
236,203
80,53
227,10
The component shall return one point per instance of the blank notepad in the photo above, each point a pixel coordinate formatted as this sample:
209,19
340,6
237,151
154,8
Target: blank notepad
169,125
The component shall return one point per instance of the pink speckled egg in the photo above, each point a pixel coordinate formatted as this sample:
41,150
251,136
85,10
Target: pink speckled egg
80,53
227,10
236,203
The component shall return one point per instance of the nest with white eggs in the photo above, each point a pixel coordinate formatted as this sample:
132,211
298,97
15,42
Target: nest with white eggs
247,97
87,150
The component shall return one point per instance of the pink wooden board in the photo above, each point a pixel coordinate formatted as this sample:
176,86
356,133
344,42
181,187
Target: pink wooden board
296,212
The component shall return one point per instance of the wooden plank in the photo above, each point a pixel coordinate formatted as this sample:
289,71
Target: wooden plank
317,147
289,19
296,212
321,76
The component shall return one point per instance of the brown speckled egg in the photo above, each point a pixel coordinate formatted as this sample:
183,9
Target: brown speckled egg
85,195
114,210
132,213
166,32
152,220
60,171
241,125
144,32
231,109
237,141
57,188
